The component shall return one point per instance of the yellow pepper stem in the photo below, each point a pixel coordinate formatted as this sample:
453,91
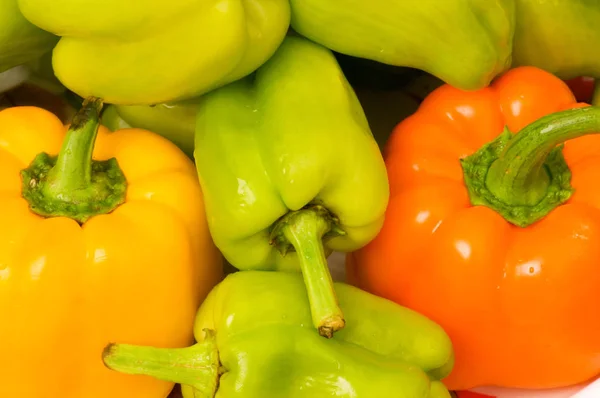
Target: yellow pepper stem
304,230
72,184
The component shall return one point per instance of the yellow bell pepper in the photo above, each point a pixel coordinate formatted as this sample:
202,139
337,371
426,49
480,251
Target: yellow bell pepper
91,252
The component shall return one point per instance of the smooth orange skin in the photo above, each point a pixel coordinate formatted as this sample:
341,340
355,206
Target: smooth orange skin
521,305
136,275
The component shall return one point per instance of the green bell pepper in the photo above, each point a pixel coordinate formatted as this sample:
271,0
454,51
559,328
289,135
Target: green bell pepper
154,51
561,37
290,170
465,43
175,122
20,41
254,339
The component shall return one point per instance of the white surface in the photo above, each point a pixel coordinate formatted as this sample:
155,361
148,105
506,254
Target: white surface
570,392
591,391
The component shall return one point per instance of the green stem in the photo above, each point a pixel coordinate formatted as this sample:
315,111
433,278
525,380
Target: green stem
73,169
304,230
525,176
196,366
72,184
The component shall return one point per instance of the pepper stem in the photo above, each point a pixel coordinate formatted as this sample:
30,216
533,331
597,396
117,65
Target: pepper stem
196,366
304,230
72,184
525,176
73,169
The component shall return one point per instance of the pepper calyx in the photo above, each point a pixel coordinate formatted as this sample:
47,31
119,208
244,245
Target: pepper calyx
72,184
328,223
476,169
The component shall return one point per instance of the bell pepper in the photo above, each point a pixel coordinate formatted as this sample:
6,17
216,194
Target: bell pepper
176,121
254,339
20,41
290,170
560,37
493,230
154,51
465,43
92,251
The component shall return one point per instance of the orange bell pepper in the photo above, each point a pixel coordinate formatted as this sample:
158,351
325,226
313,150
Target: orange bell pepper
117,249
495,235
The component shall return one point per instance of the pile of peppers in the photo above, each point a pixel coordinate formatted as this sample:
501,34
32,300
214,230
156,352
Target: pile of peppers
176,175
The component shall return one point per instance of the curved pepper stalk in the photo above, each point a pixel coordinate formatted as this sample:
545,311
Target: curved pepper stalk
524,176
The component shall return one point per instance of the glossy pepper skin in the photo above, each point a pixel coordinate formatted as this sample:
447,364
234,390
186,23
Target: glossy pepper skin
90,254
404,34
288,165
176,121
20,41
254,339
478,231
547,30
132,52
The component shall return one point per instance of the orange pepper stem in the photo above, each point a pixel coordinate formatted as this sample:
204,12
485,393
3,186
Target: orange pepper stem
304,230
525,176
72,184
197,366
